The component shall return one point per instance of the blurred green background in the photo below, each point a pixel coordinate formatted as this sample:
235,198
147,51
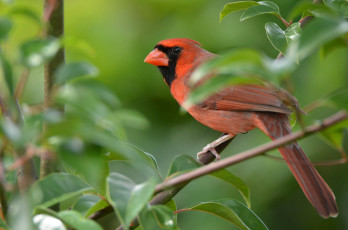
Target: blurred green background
116,35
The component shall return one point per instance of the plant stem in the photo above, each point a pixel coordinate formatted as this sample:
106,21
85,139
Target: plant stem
54,14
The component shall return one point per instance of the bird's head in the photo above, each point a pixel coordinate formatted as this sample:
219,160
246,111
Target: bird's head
177,57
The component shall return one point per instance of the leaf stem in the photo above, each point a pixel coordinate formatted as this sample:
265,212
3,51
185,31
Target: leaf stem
286,23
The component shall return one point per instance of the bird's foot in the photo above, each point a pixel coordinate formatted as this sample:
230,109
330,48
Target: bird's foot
209,148
212,146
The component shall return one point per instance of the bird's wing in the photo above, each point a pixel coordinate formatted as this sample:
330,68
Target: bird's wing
247,98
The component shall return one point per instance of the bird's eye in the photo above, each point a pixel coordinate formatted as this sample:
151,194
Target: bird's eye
176,49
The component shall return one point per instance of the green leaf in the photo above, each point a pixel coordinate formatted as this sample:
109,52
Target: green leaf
5,27
338,6
304,9
334,135
264,7
158,217
294,31
182,163
148,158
230,178
74,70
340,98
214,85
98,206
233,68
12,131
47,222
85,203
77,221
37,52
7,72
236,62
27,12
332,45
131,118
236,6
276,36
232,211
57,187
318,32
20,213
128,198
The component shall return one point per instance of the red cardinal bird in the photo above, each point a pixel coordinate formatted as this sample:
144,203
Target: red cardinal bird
238,109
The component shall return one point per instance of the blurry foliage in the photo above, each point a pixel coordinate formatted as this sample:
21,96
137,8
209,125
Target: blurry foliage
97,168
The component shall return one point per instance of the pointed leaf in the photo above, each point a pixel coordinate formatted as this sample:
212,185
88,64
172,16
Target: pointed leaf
339,6
74,70
264,7
149,159
236,62
85,203
37,52
293,32
302,8
236,6
340,98
318,32
27,12
230,178
57,187
232,211
276,36
96,207
158,217
333,135
128,198
333,45
5,27
7,72
182,163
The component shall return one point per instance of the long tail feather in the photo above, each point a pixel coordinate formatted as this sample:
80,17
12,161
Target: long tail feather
311,183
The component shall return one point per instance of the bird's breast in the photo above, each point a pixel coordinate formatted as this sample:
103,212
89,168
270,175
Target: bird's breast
179,90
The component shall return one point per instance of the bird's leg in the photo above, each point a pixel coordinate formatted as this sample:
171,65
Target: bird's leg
211,147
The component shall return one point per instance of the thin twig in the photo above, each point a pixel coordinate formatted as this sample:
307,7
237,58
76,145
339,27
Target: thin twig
215,166
3,200
21,83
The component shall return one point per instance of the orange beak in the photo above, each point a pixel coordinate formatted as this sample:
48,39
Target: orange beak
157,58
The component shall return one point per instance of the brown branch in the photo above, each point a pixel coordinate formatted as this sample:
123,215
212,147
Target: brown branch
184,178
